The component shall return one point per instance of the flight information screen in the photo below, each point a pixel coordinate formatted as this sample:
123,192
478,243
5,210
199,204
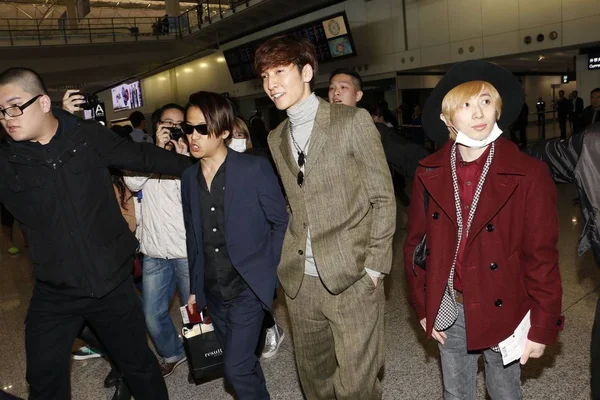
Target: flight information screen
331,37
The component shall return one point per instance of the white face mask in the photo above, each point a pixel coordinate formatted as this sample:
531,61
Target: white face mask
238,145
463,139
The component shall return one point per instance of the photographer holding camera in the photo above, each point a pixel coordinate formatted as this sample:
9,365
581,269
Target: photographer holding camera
162,241
75,100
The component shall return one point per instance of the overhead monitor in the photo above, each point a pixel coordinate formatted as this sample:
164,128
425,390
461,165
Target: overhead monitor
127,96
330,36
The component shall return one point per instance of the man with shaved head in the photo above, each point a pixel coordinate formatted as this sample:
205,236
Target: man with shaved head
345,87
54,179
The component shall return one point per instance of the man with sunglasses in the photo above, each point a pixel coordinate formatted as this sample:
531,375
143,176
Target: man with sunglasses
235,220
338,245
55,180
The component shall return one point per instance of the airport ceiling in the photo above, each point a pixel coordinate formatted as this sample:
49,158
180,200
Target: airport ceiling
93,67
108,8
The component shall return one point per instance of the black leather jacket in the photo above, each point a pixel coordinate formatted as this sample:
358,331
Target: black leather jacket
578,161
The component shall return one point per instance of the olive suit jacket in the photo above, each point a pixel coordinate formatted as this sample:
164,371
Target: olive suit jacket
347,199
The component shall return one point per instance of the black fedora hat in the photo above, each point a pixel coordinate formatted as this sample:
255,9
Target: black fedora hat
504,81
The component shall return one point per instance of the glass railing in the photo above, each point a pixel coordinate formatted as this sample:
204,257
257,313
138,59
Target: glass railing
41,32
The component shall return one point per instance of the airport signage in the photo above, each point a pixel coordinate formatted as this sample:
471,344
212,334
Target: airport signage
594,61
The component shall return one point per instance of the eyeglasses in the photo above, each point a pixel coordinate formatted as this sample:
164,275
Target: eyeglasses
169,124
189,129
301,162
15,111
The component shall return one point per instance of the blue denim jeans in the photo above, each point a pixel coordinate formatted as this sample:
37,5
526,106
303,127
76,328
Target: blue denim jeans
160,277
459,368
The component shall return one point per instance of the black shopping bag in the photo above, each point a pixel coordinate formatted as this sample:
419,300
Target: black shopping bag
204,352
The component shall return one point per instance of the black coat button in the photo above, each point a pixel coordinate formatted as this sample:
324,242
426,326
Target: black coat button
436,215
427,252
498,303
300,252
559,322
493,266
490,228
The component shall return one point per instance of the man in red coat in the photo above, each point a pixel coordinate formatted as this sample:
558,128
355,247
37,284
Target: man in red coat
488,213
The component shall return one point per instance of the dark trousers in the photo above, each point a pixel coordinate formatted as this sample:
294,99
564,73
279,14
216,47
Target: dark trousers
542,123
238,324
562,123
522,139
54,321
595,352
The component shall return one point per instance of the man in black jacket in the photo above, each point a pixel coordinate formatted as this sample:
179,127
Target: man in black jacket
54,178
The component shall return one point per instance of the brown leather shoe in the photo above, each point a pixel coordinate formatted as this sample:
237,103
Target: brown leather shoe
167,368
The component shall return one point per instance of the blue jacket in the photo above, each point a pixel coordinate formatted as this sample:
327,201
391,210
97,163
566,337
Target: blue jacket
255,224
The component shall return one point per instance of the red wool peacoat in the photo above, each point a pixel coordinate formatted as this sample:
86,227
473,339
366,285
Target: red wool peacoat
510,262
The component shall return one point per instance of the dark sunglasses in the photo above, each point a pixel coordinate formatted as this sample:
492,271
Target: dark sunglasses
189,129
301,162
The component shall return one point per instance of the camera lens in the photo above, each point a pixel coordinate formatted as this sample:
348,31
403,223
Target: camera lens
175,132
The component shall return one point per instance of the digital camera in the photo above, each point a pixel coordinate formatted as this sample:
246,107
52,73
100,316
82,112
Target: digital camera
91,100
175,132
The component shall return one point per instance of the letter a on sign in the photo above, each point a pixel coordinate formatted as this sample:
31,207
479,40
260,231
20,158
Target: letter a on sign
99,110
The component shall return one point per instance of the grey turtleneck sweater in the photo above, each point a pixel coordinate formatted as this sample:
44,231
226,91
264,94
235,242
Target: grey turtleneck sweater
302,119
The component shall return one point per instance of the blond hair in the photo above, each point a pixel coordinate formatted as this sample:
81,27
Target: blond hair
459,95
240,126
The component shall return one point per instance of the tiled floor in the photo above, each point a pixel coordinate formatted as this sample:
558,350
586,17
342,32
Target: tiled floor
412,367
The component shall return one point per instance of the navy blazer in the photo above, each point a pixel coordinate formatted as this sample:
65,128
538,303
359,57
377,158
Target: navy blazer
255,223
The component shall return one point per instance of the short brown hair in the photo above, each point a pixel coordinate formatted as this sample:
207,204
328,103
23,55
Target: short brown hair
462,93
281,51
217,110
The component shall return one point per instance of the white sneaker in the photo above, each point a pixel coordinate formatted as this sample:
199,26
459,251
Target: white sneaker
275,336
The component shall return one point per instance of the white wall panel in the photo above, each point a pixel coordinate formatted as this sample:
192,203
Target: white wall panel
464,19
466,50
435,55
534,13
501,44
584,30
573,9
408,60
378,9
433,22
412,24
397,22
499,16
